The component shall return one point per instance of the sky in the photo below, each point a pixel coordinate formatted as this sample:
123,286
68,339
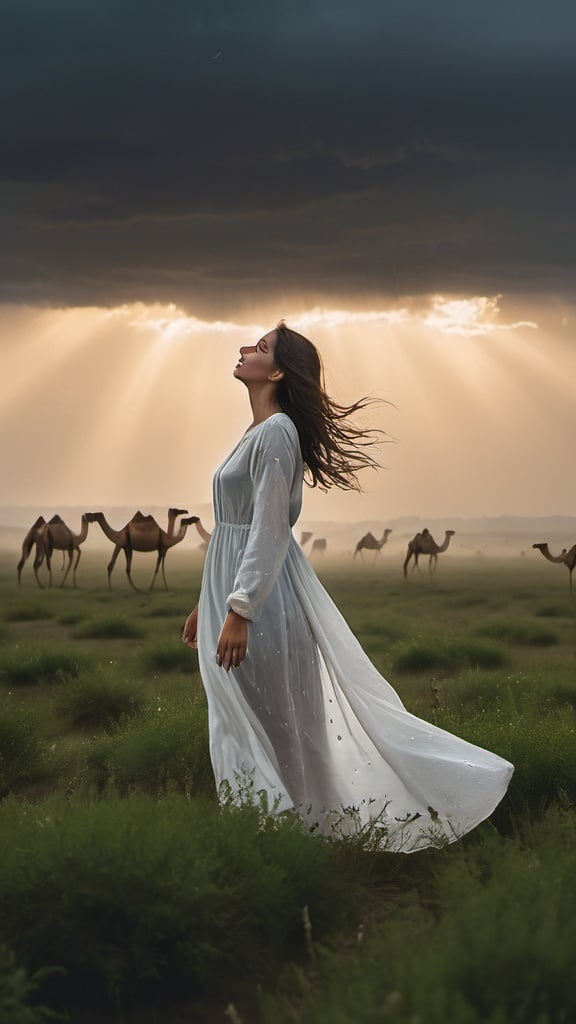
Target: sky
396,179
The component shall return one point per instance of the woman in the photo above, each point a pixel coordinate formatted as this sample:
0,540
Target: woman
298,713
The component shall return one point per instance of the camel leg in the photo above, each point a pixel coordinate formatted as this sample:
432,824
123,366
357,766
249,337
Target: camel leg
24,558
112,563
432,563
163,572
75,567
39,558
158,560
406,564
70,557
128,553
19,568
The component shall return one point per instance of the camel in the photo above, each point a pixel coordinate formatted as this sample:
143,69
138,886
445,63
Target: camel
424,544
318,546
568,558
305,537
369,543
143,533
49,537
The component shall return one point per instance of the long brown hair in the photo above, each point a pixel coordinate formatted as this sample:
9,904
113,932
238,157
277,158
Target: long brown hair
332,449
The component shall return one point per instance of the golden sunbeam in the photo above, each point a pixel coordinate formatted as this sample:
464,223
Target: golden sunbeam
138,404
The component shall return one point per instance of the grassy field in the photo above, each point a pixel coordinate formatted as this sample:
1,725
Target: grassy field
128,895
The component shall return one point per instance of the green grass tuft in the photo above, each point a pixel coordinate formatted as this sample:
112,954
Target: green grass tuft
110,628
172,656
554,611
167,611
544,688
434,654
71,620
167,750
18,989
32,667
21,746
527,633
28,613
100,698
541,746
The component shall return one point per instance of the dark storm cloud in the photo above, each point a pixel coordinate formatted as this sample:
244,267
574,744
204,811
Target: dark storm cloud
199,151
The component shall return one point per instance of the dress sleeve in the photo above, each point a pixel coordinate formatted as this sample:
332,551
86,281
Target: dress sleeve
272,470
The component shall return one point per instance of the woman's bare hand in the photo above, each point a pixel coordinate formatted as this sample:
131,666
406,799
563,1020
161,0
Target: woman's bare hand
190,631
232,642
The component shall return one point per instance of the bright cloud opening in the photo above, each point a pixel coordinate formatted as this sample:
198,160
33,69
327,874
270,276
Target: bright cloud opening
474,316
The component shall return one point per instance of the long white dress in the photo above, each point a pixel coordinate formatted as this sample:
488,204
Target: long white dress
307,721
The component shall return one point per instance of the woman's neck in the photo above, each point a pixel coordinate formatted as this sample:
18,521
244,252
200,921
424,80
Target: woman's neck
263,404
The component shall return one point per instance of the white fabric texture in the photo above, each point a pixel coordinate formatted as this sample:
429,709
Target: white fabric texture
306,719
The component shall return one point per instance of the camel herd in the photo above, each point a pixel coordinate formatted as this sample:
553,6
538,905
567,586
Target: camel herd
143,533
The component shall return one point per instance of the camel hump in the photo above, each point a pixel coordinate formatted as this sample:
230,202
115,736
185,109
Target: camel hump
56,521
138,517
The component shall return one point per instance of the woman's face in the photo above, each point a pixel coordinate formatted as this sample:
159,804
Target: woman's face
256,362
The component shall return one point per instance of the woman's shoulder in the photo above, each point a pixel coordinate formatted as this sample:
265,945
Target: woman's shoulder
278,421
279,427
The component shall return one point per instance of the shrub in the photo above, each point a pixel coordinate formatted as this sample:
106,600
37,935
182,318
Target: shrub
17,993
28,667
110,628
497,947
101,697
374,629
166,750
436,654
541,746
70,620
554,611
21,746
542,687
530,634
30,613
136,896
167,612
172,656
